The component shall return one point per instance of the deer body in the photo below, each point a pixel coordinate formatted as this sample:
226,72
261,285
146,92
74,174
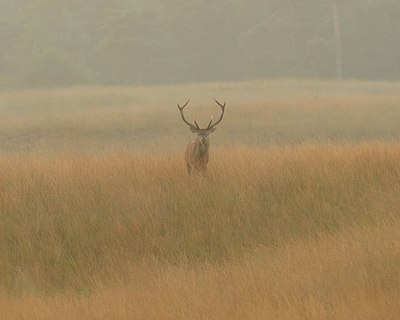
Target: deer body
197,154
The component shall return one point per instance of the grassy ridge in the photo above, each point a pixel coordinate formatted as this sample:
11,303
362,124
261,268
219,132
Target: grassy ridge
141,119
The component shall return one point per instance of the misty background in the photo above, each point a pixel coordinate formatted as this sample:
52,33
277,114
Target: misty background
47,43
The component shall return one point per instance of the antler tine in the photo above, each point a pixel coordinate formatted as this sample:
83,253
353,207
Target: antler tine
222,106
183,117
181,108
196,123
208,127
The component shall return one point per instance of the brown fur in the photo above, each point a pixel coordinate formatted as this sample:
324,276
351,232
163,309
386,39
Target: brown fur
196,155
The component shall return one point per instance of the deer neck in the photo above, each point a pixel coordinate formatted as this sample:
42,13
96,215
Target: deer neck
202,148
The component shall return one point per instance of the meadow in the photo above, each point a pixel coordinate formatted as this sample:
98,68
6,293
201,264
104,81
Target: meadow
296,218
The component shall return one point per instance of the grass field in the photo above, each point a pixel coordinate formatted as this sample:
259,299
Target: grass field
297,217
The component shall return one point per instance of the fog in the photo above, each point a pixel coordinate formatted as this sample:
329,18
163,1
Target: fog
48,43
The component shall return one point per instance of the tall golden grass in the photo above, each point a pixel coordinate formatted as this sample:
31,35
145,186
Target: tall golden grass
293,227
306,231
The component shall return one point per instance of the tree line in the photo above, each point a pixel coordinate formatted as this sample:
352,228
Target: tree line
59,43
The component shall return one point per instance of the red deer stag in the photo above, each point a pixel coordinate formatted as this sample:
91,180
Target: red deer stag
196,154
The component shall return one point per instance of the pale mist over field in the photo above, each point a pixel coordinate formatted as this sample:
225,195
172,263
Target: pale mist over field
138,42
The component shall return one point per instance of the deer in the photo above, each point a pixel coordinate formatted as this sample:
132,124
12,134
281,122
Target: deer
196,153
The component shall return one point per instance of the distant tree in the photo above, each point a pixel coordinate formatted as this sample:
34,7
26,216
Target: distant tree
338,40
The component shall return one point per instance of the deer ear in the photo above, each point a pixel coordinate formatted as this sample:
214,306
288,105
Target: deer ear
194,130
211,130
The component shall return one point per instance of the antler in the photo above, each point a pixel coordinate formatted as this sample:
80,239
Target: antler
183,117
222,106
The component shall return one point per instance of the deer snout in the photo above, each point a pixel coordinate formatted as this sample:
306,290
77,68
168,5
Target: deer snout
203,140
